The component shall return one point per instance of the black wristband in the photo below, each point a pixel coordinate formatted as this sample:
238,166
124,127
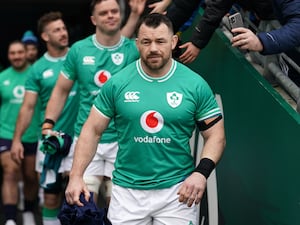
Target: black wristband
49,121
205,167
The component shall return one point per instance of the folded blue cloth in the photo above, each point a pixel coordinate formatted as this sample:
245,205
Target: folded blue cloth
89,214
55,149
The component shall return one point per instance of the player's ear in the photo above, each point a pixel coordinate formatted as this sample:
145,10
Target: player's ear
44,36
174,41
93,20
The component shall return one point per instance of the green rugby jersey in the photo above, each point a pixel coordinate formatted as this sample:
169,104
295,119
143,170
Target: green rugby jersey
155,118
42,80
92,64
12,90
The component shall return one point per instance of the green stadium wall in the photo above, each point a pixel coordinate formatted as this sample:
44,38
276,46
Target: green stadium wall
258,179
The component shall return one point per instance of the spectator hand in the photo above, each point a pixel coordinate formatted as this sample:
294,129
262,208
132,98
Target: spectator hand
137,6
246,39
17,152
192,189
190,54
160,7
75,187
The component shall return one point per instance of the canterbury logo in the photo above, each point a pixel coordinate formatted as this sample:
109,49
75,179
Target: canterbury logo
48,73
88,60
132,96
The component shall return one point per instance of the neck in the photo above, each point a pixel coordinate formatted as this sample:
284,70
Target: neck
56,52
156,73
23,68
108,39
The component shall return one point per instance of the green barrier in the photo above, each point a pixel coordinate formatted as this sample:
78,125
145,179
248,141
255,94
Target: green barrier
258,176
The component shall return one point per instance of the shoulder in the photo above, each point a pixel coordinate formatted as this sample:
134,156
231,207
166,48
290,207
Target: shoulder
82,43
126,70
125,74
40,61
5,72
129,42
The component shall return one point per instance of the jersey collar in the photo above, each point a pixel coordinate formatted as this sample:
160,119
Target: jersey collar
157,79
55,59
109,48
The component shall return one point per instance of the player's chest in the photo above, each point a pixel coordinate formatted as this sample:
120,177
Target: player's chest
12,88
170,102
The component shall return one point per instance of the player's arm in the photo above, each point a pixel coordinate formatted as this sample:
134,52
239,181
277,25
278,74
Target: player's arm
84,152
214,139
136,9
192,189
24,119
57,101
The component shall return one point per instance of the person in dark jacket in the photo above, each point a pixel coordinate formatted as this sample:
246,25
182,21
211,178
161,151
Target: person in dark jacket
215,10
284,39
179,11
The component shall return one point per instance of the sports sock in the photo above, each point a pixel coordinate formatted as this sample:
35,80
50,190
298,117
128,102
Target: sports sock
29,205
50,216
10,212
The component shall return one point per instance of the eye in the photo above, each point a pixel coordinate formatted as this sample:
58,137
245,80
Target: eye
161,41
114,11
145,42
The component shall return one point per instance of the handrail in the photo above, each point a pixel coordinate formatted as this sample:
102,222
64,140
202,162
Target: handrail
270,63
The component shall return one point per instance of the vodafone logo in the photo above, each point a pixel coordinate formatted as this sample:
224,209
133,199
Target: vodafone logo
152,121
101,77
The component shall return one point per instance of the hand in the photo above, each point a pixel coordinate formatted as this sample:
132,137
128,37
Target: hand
246,39
190,54
137,6
17,152
76,186
160,7
49,132
192,189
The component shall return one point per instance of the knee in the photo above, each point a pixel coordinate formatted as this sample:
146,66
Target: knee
11,172
108,187
93,183
52,201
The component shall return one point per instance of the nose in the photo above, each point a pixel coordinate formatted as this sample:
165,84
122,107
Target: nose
110,14
153,47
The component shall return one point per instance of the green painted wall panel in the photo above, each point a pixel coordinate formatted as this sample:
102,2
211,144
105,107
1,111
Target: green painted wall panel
258,176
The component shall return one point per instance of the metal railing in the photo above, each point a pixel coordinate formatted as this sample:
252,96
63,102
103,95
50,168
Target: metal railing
271,68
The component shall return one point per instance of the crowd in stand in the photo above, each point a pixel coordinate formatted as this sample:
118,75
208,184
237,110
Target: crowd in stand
46,103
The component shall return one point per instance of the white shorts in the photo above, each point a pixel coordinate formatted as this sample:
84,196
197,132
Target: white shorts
102,163
149,207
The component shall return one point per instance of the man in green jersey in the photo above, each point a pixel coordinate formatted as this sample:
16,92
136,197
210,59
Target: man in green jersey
155,102
43,76
91,62
12,89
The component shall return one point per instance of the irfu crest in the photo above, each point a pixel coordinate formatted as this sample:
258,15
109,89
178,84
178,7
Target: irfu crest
174,99
117,58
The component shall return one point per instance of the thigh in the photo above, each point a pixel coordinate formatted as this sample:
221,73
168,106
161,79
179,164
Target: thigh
30,148
8,165
169,210
5,145
129,207
28,167
66,163
110,152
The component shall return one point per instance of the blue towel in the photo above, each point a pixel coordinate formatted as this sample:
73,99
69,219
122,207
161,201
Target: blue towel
55,149
89,214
